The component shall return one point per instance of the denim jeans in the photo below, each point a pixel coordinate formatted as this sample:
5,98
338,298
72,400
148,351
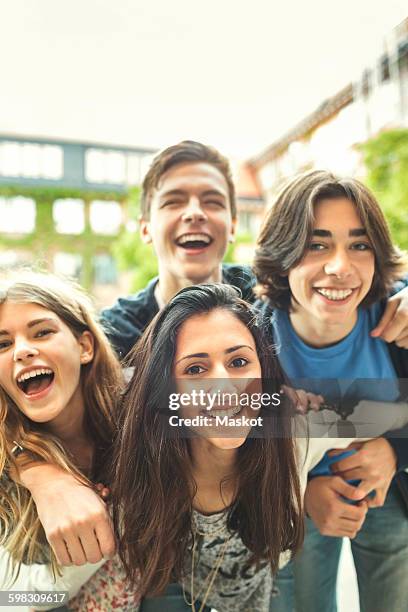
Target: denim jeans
380,553
172,600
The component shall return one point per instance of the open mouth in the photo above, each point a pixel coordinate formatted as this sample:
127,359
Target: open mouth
334,295
35,381
194,241
222,412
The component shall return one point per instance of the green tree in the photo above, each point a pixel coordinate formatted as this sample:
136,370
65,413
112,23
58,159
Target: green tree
130,251
386,161
234,251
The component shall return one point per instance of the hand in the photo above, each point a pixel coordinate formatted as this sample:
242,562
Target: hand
329,512
303,400
374,463
103,491
74,518
393,326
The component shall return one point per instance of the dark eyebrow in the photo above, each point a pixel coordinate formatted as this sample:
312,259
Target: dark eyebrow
4,332
213,192
239,346
204,355
227,352
360,231
173,192
321,233
182,193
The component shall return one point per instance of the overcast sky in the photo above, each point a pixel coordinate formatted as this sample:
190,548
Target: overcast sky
230,73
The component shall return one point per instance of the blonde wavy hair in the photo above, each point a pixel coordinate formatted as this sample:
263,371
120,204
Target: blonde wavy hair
21,532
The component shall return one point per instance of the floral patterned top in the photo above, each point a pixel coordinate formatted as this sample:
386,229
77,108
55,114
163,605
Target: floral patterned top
106,590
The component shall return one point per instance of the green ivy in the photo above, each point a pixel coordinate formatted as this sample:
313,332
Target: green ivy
50,194
45,240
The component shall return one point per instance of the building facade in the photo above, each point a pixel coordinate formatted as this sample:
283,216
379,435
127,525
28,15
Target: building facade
329,137
63,203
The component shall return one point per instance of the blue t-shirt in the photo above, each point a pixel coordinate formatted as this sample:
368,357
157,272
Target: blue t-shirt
342,368
358,367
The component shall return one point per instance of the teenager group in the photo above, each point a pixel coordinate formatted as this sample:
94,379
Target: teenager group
99,498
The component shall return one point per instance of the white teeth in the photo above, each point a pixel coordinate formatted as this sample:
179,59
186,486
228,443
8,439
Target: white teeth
335,294
192,237
228,413
33,374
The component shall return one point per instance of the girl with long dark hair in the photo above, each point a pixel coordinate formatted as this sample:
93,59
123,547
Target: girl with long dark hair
213,515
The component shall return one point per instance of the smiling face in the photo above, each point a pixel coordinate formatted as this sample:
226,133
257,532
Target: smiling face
216,352
190,222
336,271
40,363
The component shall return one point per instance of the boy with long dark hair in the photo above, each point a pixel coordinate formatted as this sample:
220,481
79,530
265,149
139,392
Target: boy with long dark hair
324,262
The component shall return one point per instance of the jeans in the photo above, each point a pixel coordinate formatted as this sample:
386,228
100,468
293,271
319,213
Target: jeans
172,600
380,553
283,594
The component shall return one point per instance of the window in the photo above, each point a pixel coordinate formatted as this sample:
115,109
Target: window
31,160
105,217
384,69
133,169
68,264
52,162
105,272
17,215
68,215
145,163
403,56
10,159
105,166
244,222
366,83
249,223
94,166
8,259
15,259
115,167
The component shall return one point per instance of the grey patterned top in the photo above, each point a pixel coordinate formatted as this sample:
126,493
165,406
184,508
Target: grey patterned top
238,585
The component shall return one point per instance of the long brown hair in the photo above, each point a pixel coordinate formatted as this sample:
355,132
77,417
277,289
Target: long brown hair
153,482
287,230
101,383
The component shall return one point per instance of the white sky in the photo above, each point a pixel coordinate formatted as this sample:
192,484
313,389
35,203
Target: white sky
230,73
